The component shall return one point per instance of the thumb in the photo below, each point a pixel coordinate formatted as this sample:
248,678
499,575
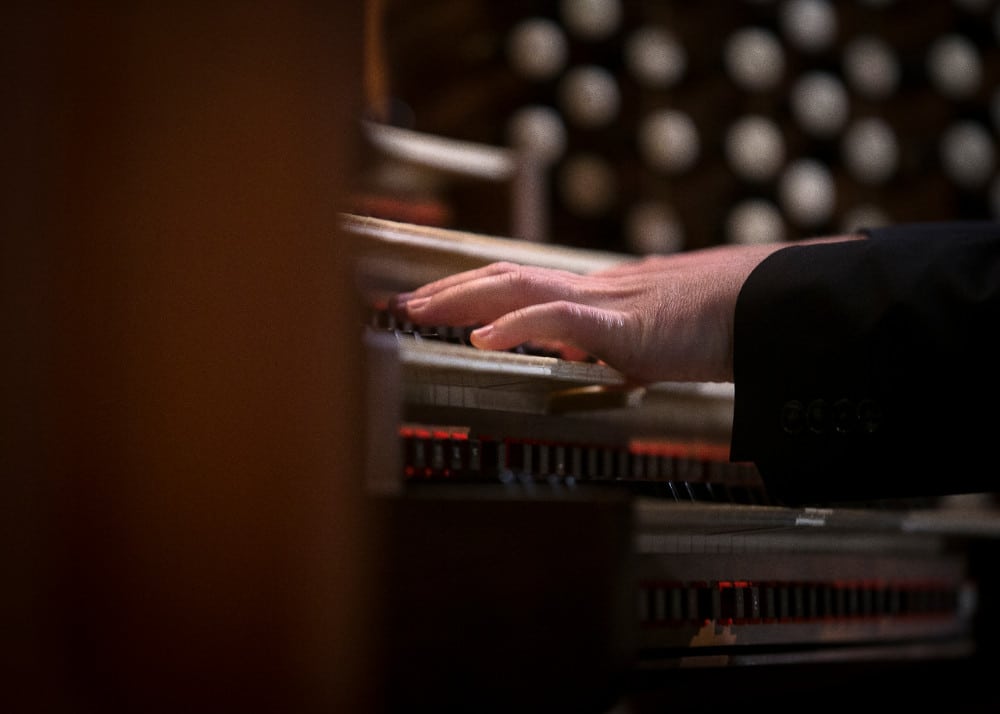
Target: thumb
592,330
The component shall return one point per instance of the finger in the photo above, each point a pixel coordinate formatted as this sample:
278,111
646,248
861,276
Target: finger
483,299
561,349
398,302
465,276
591,330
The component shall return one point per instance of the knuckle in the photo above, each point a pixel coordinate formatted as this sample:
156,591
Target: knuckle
567,309
521,279
504,266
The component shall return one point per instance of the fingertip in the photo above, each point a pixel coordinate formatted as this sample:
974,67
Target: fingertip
480,337
400,299
416,304
396,304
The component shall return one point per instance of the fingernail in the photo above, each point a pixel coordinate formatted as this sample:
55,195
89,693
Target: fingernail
416,303
481,333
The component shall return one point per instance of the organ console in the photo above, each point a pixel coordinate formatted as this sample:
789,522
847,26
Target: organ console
556,536
559,540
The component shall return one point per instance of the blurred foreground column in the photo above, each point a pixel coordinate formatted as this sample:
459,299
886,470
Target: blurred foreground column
183,522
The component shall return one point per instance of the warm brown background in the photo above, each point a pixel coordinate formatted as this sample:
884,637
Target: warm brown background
182,522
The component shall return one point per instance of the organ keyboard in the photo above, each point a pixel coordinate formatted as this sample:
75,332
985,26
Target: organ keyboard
708,571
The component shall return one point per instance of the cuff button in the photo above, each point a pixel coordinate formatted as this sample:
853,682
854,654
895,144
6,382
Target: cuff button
845,416
793,417
818,416
869,416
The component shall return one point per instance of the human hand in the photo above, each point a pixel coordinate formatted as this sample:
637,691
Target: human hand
663,318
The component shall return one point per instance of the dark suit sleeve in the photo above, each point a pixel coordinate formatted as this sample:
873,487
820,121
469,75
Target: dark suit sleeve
870,369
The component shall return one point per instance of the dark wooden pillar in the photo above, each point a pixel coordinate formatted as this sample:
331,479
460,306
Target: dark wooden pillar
183,522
